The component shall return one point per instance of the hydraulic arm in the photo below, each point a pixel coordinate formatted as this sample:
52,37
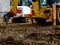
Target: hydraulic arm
12,11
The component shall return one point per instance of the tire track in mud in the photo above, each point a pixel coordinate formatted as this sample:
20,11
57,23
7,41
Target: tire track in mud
27,34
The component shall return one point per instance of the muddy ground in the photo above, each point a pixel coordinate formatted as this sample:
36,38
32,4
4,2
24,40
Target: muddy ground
29,34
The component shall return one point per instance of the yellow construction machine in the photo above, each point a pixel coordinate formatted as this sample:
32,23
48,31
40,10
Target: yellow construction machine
42,12
19,8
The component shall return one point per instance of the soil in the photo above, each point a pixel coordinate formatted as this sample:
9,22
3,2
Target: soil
29,34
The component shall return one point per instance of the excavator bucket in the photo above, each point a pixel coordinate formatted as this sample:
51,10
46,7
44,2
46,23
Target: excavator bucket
12,11
6,18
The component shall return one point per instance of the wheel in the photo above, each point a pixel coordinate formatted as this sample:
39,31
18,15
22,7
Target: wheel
40,20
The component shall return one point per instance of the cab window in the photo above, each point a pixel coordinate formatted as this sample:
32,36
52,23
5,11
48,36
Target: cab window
23,2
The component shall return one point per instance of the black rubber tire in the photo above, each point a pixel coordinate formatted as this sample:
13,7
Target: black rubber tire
40,20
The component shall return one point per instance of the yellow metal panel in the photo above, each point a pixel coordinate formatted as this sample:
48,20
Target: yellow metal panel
36,7
14,4
50,16
39,11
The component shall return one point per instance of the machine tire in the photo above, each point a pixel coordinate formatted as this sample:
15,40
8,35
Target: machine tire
40,20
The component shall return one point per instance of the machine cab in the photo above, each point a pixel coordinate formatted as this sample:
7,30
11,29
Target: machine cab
23,8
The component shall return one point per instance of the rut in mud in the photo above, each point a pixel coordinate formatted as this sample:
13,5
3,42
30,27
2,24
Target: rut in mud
27,34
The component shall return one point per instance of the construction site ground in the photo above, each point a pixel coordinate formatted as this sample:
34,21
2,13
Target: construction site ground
29,34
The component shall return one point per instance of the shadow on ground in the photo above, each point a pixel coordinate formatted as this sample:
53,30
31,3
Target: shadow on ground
46,24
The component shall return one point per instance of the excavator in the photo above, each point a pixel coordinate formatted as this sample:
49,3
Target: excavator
14,8
41,11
